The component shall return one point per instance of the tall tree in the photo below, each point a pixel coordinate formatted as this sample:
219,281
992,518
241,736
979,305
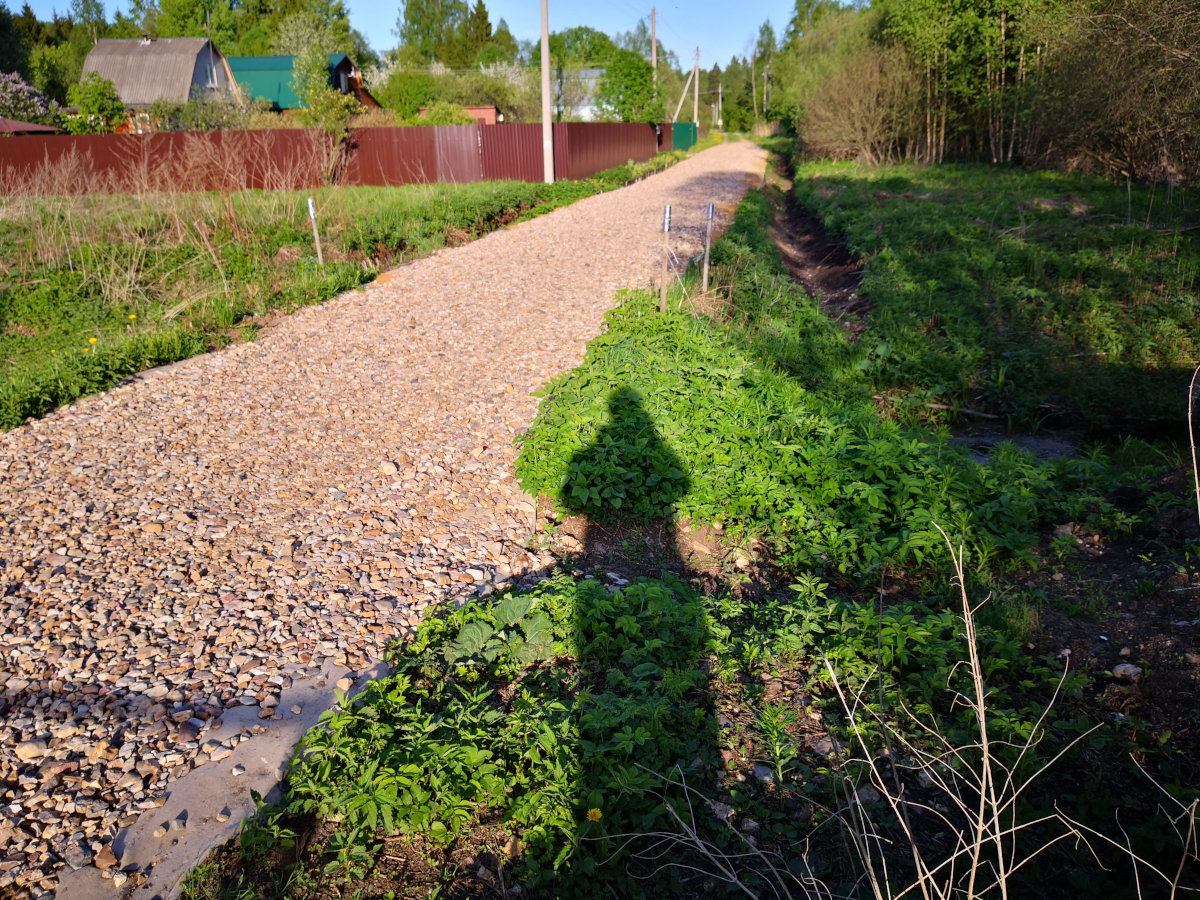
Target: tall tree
14,52
627,89
428,27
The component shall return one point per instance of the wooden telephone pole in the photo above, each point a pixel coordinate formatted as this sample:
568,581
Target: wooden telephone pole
696,95
654,47
547,125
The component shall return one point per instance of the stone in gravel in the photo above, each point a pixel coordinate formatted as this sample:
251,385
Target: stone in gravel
239,769
190,730
27,750
224,815
77,855
161,830
219,753
119,879
297,709
130,781
179,822
1128,673
344,684
387,467
105,859
763,773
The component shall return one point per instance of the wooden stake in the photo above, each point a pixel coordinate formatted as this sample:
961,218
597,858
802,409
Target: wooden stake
662,287
312,215
707,248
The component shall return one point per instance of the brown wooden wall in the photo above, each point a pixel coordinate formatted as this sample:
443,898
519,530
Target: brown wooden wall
295,159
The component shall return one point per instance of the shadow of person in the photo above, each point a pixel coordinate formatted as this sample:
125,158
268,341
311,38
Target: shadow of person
626,483
647,736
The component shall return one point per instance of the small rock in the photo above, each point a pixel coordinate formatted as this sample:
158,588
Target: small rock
763,773
105,859
27,750
387,467
297,709
1126,652
224,815
161,830
77,855
722,810
344,684
1128,673
749,826
1192,658
130,781
868,794
119,879
239,769
179,822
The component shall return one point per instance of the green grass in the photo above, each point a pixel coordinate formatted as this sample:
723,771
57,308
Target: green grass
1049,298
97,288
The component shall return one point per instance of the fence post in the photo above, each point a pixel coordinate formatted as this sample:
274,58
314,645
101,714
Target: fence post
312,215
707,247
662,288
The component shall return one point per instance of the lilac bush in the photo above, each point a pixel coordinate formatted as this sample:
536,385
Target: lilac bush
21,101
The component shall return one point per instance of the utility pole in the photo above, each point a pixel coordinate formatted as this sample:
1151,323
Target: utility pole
654,47
687,84
720,106
547,126
696,95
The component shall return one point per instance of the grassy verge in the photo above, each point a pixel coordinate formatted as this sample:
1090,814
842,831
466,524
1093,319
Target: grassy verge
829,720
1048,298
97,288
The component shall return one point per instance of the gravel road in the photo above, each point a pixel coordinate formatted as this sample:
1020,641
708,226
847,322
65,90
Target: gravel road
207,533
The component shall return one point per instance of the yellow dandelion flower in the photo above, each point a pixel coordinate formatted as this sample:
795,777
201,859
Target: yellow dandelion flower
594,815
132,316
86,349
91,340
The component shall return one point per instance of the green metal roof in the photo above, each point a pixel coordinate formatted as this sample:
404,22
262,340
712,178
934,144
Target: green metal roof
270,77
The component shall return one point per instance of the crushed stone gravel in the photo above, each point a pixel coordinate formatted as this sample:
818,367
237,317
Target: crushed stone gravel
202,535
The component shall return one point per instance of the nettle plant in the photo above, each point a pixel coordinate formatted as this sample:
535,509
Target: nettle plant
546,713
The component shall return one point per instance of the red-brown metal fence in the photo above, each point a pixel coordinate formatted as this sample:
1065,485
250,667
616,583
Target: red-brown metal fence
295,159
132,163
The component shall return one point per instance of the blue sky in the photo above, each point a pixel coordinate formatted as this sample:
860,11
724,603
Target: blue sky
709,24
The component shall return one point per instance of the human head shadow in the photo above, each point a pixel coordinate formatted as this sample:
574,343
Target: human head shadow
647,725
627,475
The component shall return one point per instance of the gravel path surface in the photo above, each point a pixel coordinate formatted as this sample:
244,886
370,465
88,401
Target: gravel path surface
205,534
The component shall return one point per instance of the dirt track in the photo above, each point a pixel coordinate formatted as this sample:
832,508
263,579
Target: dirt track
208,533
